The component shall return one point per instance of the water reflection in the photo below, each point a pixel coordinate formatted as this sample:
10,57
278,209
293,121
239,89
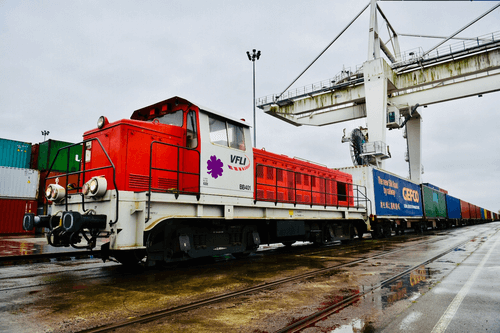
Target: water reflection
356,326
405,287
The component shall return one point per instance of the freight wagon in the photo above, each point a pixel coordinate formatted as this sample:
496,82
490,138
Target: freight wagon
180,181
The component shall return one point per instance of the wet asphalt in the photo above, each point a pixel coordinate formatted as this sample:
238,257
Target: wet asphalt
467,300
459,292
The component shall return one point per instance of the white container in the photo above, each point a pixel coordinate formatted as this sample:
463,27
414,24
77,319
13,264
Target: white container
19,183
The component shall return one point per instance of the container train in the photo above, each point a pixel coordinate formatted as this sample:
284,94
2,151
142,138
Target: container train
401,204
178,181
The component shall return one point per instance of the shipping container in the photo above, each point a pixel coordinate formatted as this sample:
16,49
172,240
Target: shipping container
453,208
15,154
19,183
478,212
11,215
465,209
47,152
34,156
434,203
390,195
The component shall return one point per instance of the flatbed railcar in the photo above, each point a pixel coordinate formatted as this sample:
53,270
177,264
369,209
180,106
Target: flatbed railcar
180,181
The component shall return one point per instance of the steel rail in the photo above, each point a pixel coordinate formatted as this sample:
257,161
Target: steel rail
142,319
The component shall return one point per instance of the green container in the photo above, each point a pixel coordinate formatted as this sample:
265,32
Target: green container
47,154
434,203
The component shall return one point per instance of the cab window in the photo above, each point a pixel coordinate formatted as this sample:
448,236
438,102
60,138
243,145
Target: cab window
192,130
226,133
236,136
174,118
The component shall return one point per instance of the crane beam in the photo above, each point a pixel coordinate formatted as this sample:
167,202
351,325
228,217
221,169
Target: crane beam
427,82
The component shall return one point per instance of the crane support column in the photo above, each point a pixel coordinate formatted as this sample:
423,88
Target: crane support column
376,110
414,139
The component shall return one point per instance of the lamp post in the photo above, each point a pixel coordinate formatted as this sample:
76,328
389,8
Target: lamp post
45,133
252,57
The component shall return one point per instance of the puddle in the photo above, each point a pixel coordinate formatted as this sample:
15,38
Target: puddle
407,287
355,326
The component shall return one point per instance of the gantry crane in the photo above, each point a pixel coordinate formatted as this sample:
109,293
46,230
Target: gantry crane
389,90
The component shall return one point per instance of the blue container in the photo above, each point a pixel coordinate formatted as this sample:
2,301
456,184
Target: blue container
453,207
395,196
15,154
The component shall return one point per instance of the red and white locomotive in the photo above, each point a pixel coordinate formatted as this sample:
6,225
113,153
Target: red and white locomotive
180,181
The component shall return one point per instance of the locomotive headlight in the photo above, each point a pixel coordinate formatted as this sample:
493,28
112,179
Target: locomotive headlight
97,187
55,192
48,192
94,186
86,189
102,121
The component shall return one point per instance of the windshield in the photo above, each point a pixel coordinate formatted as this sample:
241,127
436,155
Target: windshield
173,118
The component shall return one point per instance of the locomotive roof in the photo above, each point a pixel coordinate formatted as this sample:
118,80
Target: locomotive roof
140,114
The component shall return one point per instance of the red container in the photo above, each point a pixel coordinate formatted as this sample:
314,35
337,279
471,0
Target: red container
11,215
35,150
465,209
478,213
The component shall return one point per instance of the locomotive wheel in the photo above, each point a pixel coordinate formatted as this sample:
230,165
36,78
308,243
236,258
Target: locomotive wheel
129,257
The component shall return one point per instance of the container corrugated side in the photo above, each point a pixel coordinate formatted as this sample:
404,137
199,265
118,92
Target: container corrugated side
434,203
465,210
34,156
19,183
47,153
390,194
11,215
453,208
15,154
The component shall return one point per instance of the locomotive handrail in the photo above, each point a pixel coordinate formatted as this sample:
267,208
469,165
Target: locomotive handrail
83,171
178,172
349,186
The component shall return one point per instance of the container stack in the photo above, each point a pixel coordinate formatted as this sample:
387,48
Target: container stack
23,171
19,185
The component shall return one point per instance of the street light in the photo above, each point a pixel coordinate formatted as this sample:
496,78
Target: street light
45,133
252,57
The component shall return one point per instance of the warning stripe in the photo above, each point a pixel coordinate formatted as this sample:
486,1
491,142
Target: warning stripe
238,168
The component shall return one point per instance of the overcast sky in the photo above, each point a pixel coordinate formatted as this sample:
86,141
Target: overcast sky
65,63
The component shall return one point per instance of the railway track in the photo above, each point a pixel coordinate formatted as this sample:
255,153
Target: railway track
69,256
146,318
47,257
